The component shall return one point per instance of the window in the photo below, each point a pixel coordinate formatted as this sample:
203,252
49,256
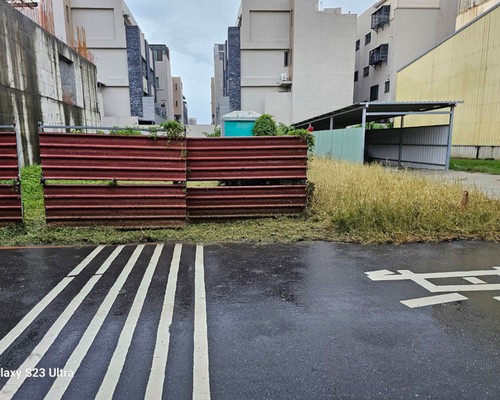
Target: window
374,93
357,45
221,56
381,17
177,103
368,38
366,72
379,55
176,88
356,76
387,87
286,62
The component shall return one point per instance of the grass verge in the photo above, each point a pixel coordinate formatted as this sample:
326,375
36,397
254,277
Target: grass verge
353,203
485,166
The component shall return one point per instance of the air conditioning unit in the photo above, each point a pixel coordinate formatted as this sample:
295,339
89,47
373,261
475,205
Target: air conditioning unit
284,77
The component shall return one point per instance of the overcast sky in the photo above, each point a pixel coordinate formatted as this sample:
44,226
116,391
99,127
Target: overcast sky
190,28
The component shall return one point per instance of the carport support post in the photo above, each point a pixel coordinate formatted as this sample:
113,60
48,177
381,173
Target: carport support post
400,153
331,123
450,134
363,126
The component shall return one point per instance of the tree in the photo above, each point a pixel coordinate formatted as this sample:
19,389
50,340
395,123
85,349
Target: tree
265,126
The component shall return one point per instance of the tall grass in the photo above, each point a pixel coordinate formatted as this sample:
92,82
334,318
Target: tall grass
373,203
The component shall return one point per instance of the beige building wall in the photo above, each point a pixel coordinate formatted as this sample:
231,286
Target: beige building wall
471,9
178,98
414,28
296,61
164,91
63,22
465,67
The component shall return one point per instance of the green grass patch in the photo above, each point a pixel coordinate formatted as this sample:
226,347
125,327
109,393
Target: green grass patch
354,203
484,166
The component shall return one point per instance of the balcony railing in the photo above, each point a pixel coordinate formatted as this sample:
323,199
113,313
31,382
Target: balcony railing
381,17
379,55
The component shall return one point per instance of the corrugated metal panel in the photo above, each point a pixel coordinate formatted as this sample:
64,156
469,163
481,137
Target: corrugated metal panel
341,144
10,205
10,198
140,158
421,147
246,158
236,201
131,206
465,67
8,156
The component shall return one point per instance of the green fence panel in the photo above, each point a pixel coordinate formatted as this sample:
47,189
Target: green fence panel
341,144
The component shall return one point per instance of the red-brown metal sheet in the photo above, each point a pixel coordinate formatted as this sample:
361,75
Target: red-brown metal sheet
130,206
8,156
245,201
283,157
93,157
10,205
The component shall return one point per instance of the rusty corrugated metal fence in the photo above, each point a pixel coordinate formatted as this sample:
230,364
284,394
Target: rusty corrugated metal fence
10,197
258,176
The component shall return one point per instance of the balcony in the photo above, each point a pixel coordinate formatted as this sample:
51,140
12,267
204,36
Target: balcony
381,17
379,55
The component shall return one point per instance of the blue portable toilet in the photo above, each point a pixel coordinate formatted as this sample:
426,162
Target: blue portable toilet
239,123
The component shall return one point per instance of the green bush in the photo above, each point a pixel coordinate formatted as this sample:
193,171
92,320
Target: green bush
216,133
265,126
174,130
305,135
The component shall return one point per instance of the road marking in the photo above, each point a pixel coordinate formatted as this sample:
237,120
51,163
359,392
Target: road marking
201,373
156,380
497,298
61,383
14,383
7,341
115,367
475,281
86,262
433,300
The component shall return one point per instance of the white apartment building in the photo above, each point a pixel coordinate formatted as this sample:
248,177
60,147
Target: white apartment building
220,101
391,34
164,86
294,60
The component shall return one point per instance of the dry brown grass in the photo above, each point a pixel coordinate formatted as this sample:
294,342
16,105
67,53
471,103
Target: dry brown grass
374,204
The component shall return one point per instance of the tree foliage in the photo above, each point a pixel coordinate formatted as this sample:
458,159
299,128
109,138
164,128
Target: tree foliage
265,126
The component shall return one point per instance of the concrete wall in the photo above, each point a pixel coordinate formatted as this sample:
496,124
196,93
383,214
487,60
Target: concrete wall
465,67
323,60
415,27
41,79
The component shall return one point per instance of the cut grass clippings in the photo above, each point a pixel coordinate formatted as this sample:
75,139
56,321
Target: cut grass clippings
354,203
484,166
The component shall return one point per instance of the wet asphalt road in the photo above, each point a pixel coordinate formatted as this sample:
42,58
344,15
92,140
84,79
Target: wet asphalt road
301,321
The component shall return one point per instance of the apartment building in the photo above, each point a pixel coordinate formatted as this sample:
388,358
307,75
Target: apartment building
464,67
289,58
392,33
180,103
164,86
220,101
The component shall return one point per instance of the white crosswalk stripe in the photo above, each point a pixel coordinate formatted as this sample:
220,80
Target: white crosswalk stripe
156,380
42,305
61,384
155,363
13,384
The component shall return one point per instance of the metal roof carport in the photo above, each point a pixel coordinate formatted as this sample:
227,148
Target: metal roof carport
418,147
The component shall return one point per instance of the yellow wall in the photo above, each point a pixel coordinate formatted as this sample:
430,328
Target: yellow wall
466,67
